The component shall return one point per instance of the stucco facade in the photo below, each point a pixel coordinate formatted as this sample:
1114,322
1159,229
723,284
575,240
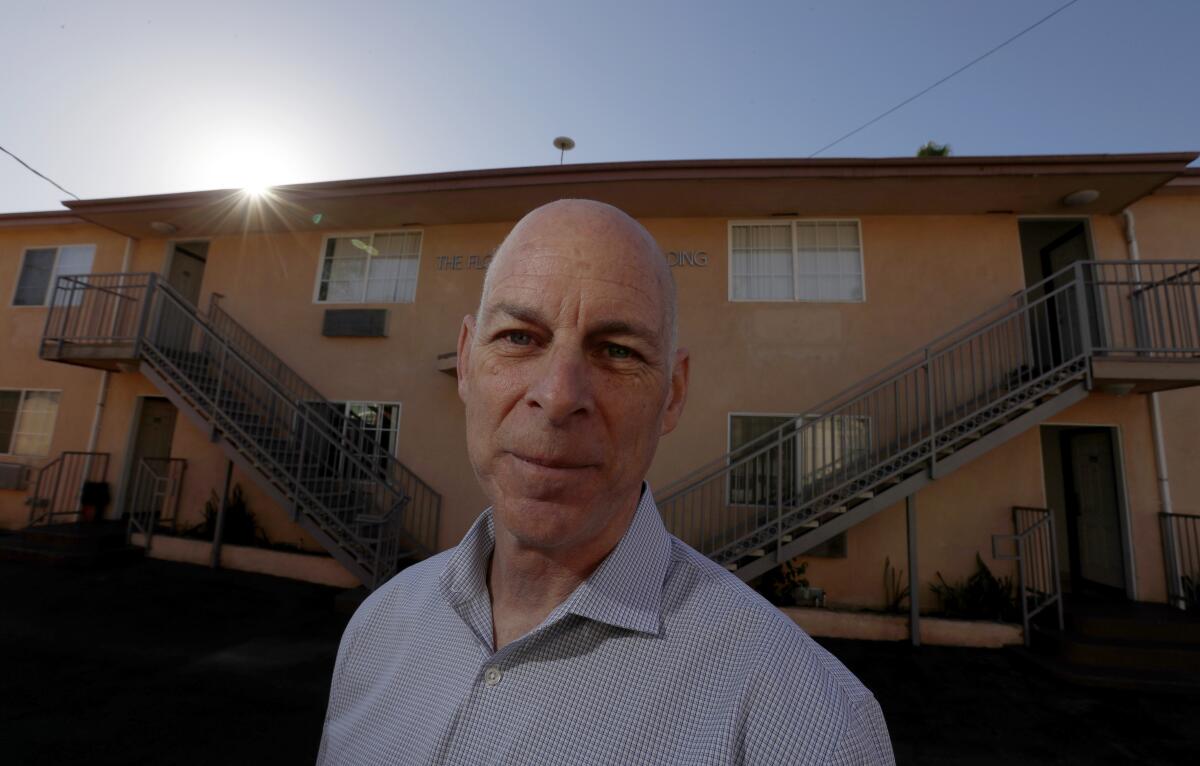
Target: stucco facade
924,273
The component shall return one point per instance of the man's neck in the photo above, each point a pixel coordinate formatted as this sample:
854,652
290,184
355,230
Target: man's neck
527,583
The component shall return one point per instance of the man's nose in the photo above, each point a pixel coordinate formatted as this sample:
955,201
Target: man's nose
563,386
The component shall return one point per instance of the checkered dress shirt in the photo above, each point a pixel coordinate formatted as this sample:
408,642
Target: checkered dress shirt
660,656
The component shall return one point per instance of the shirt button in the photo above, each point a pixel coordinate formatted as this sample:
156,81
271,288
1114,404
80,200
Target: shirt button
491,676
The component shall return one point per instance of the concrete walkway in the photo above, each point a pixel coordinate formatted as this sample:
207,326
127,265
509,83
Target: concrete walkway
157,663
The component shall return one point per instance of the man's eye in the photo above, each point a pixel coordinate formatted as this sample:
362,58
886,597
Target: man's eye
519,338
618,352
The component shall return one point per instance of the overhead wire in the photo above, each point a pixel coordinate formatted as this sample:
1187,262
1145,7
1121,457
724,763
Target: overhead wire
953,74
39,174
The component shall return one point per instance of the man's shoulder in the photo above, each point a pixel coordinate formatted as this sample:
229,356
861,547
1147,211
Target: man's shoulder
781,667
712,600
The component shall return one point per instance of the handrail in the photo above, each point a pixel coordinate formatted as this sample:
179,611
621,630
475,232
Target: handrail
821,412
919,357
310,394
1035,549
67,474
228,423
380,504
145,513
182,303
1181,552
366,502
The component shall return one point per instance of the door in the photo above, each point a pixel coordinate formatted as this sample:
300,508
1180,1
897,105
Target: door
1062,313
185,272
152,438
1093,508
1049,246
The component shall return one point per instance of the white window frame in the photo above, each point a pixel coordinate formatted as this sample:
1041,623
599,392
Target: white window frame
800,455
795,259
729,448
347,403
20,404
370,237
12,299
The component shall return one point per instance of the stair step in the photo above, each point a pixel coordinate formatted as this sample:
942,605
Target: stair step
731,567
757,553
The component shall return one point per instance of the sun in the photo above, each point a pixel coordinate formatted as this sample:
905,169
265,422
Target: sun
245,159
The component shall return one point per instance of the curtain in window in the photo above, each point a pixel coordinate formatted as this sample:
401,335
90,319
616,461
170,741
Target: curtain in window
828,261
35,423
376,269
762,262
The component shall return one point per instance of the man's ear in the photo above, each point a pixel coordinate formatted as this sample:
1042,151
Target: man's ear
678,393
462,362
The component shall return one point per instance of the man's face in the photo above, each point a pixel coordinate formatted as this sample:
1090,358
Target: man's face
565,374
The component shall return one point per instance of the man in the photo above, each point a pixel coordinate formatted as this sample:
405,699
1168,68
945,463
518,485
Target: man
568,626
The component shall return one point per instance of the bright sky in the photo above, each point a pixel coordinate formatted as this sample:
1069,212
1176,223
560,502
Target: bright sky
115,98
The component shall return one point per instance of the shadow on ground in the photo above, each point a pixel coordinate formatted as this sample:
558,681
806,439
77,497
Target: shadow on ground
158,663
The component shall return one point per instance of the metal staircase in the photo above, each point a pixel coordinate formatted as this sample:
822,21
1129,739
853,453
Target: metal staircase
1123,326
367,509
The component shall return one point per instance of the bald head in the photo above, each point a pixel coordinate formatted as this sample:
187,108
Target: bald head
600,241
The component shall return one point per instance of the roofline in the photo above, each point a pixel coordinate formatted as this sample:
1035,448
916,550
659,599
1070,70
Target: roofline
40,217
869,167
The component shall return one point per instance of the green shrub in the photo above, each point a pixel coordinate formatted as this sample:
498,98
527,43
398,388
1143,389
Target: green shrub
980,597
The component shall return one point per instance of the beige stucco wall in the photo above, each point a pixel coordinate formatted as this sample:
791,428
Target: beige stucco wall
924,275
20,334
1168,227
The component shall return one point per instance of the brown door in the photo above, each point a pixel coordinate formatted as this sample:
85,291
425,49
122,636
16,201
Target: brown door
185,272
155,430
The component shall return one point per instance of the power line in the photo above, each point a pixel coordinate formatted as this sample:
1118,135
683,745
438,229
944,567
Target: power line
958,71
42,176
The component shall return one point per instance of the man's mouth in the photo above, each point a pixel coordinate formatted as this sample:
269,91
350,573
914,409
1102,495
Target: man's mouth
548,461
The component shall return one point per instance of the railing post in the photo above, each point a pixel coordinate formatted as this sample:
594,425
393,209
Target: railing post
914,606
1021,586
1054,573
217,390
1085,328
779,499
929,398
143,320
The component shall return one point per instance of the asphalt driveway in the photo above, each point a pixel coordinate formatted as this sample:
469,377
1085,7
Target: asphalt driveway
156,663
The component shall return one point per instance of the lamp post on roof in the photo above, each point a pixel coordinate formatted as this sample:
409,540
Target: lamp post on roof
563,144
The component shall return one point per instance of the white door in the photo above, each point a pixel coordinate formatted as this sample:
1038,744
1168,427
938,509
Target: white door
1097,509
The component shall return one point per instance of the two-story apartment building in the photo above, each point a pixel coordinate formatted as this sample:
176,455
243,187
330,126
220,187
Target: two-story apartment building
965,334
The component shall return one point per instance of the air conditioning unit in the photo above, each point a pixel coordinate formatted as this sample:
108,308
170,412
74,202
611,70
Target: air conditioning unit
13,476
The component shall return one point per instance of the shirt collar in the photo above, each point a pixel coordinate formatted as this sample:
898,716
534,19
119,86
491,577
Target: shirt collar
625,590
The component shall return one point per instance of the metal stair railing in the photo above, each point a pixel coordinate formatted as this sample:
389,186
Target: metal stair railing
1035,549
903,420
156,487
1181,552
423,510
340,490
58,487
328,473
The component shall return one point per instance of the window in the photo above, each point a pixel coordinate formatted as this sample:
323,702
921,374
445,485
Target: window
818,456
755,476
833,450
41,268
370,268
377,422
27,421
796,261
